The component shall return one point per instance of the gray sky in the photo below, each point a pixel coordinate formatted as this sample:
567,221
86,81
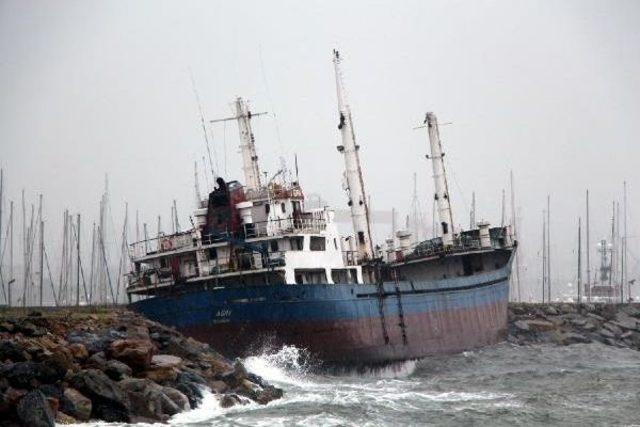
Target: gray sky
548,89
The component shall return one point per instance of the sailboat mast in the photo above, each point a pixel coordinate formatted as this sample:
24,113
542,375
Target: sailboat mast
624,243
353,170
11,278
549,247
579,260
472,214
440,179
588,282
514,231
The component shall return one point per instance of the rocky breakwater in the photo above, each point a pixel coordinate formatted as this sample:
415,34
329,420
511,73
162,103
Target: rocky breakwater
564,324
69,366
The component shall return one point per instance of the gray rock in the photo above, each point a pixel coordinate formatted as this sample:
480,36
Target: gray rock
521,325
117,370
34,411
109,402
607,334
574,338
613,328
596,317
550,310
75,404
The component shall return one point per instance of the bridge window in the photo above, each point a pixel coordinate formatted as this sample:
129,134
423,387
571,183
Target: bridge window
343,275
273,244
213,253
297,243
318,243
306,276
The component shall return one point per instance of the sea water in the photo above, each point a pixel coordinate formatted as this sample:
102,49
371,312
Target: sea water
585,384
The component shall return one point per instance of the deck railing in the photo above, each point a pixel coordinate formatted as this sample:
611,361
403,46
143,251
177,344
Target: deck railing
284,226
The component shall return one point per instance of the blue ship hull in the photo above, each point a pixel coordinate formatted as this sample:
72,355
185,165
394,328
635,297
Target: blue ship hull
344,323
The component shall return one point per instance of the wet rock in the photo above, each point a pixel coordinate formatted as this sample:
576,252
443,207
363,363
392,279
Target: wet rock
29,375
550,310
218,386
166,361
268,394
75,404
28,329
136,353
626,322
64,419
540,325
97,360
229,400
78,351
631,310
612,328
34,411
177,397
607,334
148,399
192,391
117,370
161,374
521,325
10,350
596,317
108,401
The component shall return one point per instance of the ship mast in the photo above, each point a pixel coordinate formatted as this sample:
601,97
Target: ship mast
247,144
353,170
440,180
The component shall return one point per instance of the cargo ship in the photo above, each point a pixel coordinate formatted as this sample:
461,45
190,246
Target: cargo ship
260,268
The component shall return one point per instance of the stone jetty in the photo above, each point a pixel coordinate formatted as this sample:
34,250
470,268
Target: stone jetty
72,366
616,325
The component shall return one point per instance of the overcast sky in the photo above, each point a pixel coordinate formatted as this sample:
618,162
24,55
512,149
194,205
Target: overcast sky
550,89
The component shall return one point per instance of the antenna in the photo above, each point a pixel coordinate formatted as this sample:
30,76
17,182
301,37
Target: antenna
204,128
196,185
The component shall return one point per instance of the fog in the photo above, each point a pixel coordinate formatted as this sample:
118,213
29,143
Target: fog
549,90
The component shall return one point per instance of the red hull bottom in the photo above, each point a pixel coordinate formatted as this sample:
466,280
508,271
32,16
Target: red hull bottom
362,341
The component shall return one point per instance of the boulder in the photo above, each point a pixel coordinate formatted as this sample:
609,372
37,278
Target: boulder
117,370
108,401
30,375
596,317
75,404
166,361
192,391
33,410
229,400
540,325
550,310
97,360
613,328
607,334
161,374
78,351
177,397
149,400
28,329
631,310
136,353
521,325
64,419
268,393
10,350
218,386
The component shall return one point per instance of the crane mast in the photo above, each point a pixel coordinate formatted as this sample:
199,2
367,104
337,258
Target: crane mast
353,171
250,165
440,180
